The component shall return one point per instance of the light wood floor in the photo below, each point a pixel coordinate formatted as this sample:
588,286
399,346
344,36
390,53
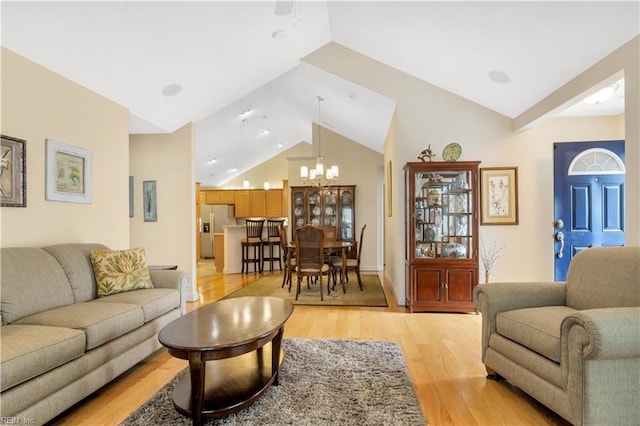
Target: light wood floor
442,352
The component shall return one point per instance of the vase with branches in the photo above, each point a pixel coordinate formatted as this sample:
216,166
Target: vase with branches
489,256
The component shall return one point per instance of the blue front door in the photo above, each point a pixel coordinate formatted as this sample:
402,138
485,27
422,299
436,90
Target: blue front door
588,199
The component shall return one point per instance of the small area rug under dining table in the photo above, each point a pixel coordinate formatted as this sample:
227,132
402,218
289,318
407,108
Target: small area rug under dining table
271,285
322,382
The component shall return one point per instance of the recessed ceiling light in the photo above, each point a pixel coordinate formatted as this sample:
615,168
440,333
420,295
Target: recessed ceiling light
172,89
232,170
499,77
601,95
213,160
245,114
280,145
265,132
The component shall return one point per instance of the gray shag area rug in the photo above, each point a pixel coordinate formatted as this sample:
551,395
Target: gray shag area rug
322,382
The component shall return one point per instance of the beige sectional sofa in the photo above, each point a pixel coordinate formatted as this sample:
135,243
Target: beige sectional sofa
59,342
573,346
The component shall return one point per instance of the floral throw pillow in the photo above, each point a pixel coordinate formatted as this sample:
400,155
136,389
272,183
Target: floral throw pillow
117,271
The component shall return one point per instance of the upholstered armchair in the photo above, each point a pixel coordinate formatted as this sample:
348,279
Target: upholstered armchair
573,346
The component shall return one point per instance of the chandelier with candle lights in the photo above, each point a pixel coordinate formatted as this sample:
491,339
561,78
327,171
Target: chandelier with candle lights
319,175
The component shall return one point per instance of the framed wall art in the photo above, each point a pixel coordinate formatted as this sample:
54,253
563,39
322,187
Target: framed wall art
499,195
150,203
68,173
13,169
130,196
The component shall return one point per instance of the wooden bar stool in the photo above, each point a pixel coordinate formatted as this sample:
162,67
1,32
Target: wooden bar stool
272,241
253,240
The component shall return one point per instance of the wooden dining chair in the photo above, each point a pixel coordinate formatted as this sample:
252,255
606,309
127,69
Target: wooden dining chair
309,241
351,264
288,258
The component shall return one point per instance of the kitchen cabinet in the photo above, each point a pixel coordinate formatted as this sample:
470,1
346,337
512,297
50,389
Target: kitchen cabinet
257,203
332,207
219,196
248,202
441,253
274,203
243,203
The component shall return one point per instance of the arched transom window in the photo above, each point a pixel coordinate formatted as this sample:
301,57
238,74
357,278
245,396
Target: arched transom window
596,161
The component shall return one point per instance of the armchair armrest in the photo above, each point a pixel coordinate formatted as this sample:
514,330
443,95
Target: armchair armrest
178,280
491,299
608,333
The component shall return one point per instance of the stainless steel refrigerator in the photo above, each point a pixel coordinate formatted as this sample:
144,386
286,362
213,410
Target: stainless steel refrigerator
212,218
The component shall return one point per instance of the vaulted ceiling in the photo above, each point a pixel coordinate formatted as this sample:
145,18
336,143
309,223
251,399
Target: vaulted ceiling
171,63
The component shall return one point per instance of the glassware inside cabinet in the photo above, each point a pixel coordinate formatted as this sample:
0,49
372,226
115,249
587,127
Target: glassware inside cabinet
443,214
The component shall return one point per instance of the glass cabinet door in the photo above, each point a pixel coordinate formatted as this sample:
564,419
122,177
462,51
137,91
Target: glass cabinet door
346,214
330,208
443,214
299,208
315,208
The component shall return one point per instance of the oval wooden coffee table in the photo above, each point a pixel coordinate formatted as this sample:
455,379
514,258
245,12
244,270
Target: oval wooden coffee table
226,343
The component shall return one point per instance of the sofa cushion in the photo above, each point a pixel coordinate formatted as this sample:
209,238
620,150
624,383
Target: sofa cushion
75,259
31,281
30,350
120,270
154,302
536,328
101,322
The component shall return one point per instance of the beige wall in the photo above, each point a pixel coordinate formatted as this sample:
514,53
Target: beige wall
167,159
429,115
395,198
530,246
39,104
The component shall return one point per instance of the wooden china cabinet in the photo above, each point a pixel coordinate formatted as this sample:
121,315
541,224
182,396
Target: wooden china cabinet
441,253
330,207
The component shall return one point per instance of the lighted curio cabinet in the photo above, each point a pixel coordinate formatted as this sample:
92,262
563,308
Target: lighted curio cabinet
441,253
333,208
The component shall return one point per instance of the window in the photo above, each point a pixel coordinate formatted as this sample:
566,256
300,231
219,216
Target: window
596,161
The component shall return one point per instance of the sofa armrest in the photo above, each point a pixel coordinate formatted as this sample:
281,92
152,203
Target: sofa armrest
178,280
491,299
609,333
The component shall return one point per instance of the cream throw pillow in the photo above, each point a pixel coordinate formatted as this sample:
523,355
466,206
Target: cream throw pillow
117,271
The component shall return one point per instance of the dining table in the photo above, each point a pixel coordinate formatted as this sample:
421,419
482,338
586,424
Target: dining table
330,246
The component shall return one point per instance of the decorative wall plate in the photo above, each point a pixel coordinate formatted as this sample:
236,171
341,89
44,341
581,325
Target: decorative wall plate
451,152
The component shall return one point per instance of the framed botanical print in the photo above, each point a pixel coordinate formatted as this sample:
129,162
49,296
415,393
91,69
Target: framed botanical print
13,169
68,173
499,195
